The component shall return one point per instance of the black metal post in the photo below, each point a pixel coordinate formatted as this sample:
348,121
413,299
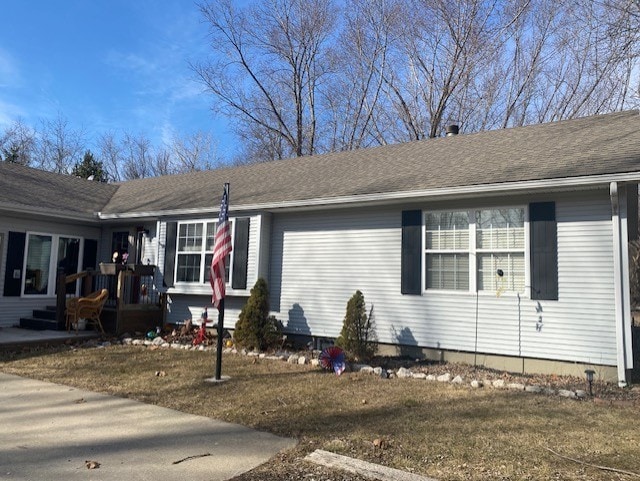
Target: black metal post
219,344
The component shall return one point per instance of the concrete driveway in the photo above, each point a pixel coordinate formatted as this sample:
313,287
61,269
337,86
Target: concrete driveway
49,431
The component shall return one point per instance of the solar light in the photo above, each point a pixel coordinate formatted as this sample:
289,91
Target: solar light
590,373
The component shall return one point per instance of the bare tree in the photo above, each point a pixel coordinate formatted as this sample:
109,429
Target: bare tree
272,58
59,146
138,157
196,151
360,64
17,143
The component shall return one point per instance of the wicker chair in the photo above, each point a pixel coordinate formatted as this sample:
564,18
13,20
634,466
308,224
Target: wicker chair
89,308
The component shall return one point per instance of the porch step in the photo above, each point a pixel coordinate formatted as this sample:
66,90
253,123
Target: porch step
45,314
39,324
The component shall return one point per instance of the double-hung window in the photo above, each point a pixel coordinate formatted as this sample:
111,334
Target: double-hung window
447,250
493,238
195,252
500,249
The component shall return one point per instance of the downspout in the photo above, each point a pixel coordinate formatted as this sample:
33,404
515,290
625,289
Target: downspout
621,282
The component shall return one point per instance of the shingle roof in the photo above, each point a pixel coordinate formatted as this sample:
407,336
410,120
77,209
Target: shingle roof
26,188
603,144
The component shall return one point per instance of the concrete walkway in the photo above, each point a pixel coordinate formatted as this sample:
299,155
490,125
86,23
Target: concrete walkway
49,431
11,337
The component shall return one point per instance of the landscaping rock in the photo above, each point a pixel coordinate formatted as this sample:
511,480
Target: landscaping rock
158,341
581,394
315,362
378,371
403,373
458,380
430,377
444,377
498,383
475,384
419,375
533,389
302,360
567,393
515,386
366,369
293,359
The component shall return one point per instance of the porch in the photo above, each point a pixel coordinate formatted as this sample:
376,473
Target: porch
135,303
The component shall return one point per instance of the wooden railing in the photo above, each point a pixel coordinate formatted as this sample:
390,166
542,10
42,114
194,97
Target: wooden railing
131,290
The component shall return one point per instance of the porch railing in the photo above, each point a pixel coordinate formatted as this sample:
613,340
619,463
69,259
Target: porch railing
131,287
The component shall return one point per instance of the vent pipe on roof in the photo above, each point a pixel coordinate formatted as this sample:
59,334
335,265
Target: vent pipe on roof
452,130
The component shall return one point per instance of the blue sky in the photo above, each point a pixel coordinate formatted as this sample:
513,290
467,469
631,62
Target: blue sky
106,65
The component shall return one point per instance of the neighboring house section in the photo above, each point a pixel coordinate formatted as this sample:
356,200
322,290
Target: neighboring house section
506,248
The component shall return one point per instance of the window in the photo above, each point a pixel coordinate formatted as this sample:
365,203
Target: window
195,252
447,245
495,238
500,247
44,255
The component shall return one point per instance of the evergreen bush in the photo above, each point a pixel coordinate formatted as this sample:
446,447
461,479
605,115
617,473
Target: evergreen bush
358,336
255,329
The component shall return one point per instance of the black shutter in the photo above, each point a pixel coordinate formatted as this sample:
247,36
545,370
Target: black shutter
411,267
90,254
544,250
15,258
240,254
170,253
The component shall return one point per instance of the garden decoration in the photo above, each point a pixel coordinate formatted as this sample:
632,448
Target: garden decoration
333,358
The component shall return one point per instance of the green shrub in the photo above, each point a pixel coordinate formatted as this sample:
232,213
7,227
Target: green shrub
358,336
255,329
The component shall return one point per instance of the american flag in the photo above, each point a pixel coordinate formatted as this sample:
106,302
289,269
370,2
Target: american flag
221,249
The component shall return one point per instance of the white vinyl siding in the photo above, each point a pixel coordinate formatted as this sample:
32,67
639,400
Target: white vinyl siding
320,259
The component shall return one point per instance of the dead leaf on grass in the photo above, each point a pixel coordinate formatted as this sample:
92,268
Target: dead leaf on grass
92,464
80,401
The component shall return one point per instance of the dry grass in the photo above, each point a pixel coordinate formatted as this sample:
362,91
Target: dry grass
440,430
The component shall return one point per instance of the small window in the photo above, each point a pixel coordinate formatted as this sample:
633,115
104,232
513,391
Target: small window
447,250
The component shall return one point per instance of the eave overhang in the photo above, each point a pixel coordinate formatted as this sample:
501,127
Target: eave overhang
357,200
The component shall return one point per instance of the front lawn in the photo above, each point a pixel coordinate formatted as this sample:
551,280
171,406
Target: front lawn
441,430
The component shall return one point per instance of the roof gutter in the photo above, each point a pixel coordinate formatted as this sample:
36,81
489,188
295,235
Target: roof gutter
49,213
378,198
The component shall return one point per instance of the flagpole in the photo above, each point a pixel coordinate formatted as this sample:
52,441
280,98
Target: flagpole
218,374
219,344
222,247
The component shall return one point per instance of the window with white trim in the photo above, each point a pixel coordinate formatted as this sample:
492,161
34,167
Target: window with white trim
500,248
195,251
447,250
494,238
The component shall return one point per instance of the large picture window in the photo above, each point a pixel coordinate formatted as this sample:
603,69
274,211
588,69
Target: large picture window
195,252
494,238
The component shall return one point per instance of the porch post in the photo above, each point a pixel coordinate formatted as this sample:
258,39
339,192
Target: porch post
61,296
